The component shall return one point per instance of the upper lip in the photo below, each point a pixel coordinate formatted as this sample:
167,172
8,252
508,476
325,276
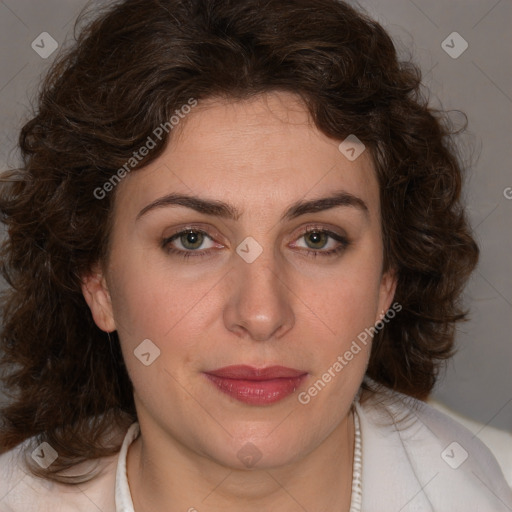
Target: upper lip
245,372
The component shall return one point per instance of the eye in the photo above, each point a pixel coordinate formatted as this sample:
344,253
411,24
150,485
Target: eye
318,241
189,242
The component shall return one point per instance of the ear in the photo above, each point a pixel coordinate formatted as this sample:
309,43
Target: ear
97,296
386,292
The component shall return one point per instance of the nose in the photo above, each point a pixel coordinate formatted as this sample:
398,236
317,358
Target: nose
258,303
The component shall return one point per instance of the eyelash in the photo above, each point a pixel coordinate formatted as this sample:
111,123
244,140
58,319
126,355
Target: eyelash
343,241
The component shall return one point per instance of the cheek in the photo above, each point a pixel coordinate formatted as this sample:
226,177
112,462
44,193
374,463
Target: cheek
147,306
151,302
349,299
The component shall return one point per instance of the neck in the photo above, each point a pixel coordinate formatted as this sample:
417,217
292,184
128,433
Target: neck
164,475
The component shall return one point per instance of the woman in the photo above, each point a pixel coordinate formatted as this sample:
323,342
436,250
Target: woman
236,251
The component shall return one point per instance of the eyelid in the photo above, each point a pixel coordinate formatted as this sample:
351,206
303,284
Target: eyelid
210,232
336,233
342,240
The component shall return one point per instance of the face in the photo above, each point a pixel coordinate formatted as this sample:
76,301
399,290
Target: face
249,257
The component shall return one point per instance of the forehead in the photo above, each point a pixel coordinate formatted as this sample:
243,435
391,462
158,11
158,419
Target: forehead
252,154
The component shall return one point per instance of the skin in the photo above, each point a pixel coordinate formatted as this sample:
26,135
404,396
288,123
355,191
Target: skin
286,308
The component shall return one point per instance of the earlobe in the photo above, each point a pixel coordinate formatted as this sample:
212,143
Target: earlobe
97,296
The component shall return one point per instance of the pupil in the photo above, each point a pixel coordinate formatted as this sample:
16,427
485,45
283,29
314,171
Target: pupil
317,238
192,240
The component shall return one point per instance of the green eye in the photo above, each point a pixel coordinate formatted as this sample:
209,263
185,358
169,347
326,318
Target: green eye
187,243
316,239
321,242
192,240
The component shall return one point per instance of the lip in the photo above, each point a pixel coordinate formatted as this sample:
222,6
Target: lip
256,386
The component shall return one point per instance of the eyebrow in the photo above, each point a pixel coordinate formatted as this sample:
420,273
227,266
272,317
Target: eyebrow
224,210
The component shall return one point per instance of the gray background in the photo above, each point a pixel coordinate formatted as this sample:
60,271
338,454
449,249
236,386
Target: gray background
477,382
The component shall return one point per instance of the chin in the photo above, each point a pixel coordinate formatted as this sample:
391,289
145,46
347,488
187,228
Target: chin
252,452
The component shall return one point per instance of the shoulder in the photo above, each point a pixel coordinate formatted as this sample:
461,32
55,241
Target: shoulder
21,491
422,459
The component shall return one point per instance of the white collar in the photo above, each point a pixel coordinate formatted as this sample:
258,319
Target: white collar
123,497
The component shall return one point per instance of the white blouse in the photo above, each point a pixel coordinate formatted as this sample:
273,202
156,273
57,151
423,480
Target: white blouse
411,458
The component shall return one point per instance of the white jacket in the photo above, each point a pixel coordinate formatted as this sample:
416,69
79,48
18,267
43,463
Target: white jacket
414,459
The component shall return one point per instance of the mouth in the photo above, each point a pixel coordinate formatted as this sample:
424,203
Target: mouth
256,386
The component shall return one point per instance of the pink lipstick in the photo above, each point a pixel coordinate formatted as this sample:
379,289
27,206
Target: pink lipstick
256,386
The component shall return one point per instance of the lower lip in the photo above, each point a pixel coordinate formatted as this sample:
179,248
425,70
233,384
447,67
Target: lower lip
261,392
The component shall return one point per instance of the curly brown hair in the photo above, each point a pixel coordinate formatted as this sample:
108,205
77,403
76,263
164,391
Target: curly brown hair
128,72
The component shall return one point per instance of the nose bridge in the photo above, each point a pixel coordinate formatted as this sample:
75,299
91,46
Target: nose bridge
258,305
